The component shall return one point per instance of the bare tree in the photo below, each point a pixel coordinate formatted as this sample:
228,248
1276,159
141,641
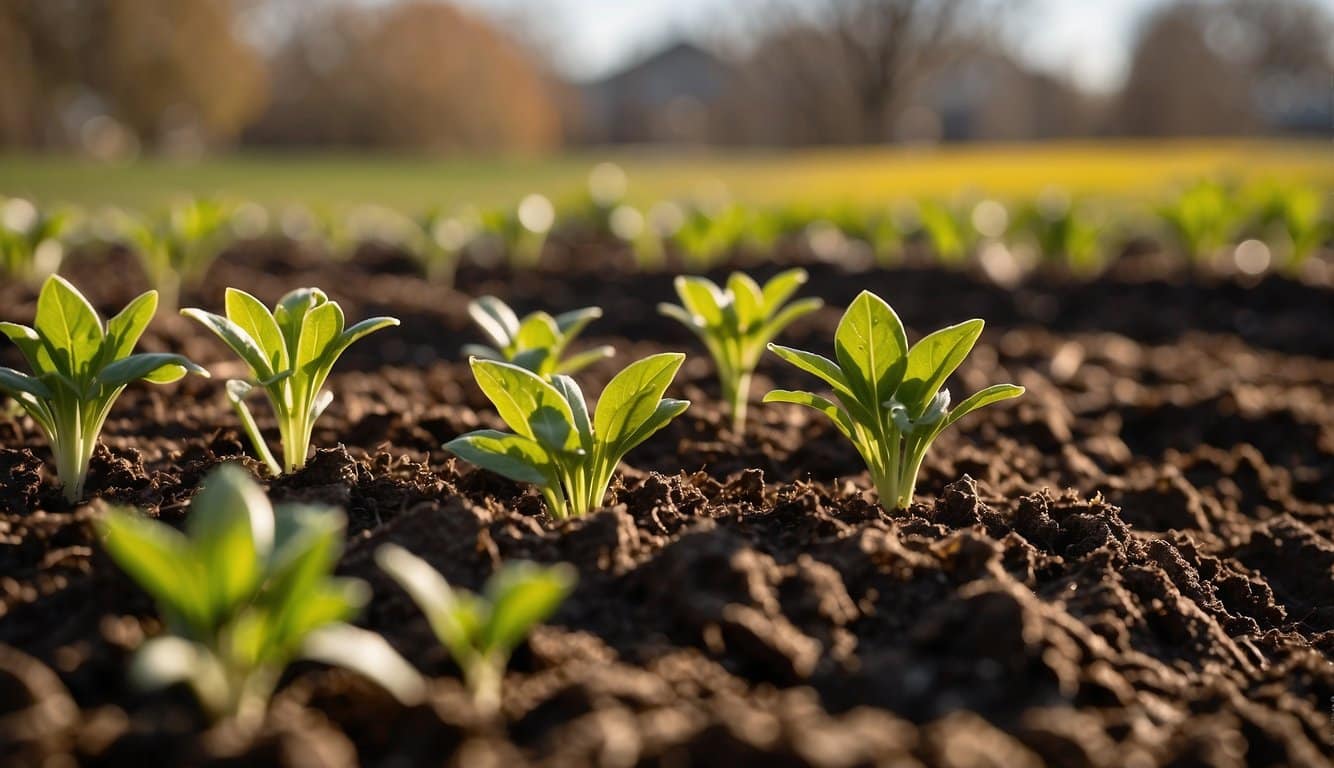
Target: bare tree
841,71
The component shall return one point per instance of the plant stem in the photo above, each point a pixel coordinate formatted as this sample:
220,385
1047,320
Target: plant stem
736,391
484,677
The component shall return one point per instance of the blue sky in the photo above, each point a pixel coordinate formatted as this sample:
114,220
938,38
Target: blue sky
1086,39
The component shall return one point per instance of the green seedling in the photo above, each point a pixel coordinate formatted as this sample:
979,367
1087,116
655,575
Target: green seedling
246,590
949,235
736,322
31,240
1064,233
177,248
1203,219
891,400
537,342
1293,217
441,240
79,367
290,352
521,232
481,631
555,445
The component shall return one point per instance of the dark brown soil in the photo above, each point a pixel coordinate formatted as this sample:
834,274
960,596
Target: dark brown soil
1133,565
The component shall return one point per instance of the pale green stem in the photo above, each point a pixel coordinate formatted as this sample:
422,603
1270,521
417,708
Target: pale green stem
484,678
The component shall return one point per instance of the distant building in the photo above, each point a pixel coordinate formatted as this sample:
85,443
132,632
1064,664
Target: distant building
666,98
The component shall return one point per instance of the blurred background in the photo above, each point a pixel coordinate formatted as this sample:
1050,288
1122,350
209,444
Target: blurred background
749,92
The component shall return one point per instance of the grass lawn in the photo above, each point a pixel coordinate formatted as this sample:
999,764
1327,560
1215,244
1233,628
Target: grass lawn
863,175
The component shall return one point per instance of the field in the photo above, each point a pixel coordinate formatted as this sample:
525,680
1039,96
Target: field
1131,564
855,176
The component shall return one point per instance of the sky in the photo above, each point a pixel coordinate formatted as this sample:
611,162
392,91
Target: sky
1087,40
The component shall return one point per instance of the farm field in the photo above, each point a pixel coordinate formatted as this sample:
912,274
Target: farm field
858,176
1130,564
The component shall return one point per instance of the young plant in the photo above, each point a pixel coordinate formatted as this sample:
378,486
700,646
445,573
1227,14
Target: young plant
177,248
481,631
555,445
290,352
891,402
441,240
1202,219
735,323
79,367
31,240
537,342
246,590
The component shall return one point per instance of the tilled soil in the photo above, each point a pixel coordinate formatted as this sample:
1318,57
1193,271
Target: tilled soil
1132,565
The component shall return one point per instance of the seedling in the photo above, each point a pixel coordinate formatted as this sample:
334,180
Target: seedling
1202,219
555,445
246,590
521,232
177,248
290,352
441,240
79,367
891,402
1065,233
31,240
537,342
949,236
735,323
481,631
1292,217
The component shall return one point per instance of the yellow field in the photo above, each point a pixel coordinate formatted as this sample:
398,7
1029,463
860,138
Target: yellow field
865,175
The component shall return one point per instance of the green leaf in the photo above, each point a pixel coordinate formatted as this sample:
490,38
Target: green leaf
632,396
532,359
232,529
521,596
30,344
747,298
988,396
368,654
250,315
932,360
836,414
308,540
322,326
781,288
702,298
13,382
238,340
125,328
157,367
662,415
359,331
330,601
572,323
290,314
789,315
528,404
496,319
537,331
872,348
433,596
160,560
680,315
513,456
569,389
69,327
817,365
581,360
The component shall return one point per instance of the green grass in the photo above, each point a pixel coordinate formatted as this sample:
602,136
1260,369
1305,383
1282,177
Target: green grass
863,175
